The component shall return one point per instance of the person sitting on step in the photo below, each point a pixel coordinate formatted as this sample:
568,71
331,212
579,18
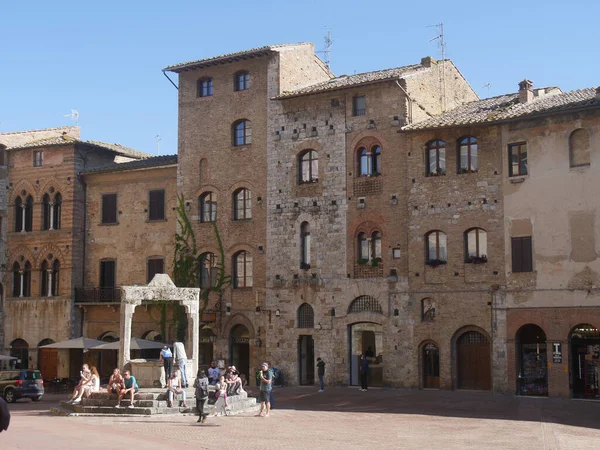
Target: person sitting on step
131,388
174,388
115,382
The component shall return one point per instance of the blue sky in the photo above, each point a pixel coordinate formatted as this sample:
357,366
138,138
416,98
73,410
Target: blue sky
104,58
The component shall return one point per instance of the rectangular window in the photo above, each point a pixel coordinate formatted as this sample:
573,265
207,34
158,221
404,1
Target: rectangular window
157,205
521,254
517,159
109,208
107,274
154,266
38,159
359,106
396,253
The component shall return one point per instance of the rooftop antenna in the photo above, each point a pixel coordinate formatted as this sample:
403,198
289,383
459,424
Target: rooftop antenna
327,51
74,116
441,67
157,138
487,85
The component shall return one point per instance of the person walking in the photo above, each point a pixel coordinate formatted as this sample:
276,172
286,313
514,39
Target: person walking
266,378
201,385
181,358
167,359
364,372
321,373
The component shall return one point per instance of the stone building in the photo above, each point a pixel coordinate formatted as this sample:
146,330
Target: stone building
45,246
533,193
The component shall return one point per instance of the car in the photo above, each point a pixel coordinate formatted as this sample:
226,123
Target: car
23,383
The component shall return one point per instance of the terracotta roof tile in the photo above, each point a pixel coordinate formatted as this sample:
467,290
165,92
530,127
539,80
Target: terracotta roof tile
148,163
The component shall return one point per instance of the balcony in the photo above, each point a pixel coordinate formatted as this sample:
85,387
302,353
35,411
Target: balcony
98,295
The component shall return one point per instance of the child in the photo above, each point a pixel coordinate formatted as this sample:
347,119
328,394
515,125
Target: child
221,394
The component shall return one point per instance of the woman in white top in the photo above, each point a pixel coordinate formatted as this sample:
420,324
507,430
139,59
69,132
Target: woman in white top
92,385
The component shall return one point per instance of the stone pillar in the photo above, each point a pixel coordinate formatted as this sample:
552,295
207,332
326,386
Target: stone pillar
499,342
51,217
22,278
49,271
127,310
23,219
193,311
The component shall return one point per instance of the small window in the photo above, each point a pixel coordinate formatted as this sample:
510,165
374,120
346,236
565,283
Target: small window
204,87
363,248
396,253
369,162
2,156
436,158
579,148
109,208
376,245
305,245
38,159
154,266
46,212
517,159
18,214
57,211
208,207
521,254
242,270
427,310
242,133
435,247
308,164
467,155
156,211
241,81
359,106
242,204
306,316
476,246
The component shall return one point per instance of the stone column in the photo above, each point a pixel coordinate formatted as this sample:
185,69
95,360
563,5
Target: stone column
499,342
23,219
51,217
193,310
49,271
22,278
127,310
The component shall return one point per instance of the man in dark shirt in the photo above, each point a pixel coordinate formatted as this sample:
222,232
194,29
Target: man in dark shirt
321,372
364,372
266,378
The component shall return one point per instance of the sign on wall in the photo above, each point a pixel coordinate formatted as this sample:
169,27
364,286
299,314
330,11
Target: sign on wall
557,352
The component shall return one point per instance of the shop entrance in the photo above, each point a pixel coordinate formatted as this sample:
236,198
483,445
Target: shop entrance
532,361
47,360
430,357
239,349
584,343
474,361
366,338
306,360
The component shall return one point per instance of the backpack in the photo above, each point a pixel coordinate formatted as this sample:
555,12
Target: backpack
201,387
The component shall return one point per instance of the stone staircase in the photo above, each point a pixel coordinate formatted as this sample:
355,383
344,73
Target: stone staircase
147,402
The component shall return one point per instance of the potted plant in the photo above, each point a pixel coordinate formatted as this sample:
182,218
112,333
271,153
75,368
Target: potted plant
477,259
375,262
363,261
435,262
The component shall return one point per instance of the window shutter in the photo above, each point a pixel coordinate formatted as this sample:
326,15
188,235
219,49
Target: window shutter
526,255
107,274
157,205
516,254
154,266
109,208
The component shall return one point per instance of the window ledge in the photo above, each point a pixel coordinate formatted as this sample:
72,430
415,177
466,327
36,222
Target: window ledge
242,220
155,220
240,147
517,179
101,224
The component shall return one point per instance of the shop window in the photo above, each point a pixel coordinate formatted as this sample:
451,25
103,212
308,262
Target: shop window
532,377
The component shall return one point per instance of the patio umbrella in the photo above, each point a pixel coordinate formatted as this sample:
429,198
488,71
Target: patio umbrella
6,358
136,344
81,343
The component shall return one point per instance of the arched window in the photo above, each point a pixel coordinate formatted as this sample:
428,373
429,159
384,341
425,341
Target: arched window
242,204
436,158
369,162
475,246
29,213
27,279
208,270
56,212
55,281
242,132
44,279
306,316
242,270
241,81
16,280
579,148
204,87
305,245
46,212
435,247
467,154
19,215
308,167
365,303
363,247
208,207
376,245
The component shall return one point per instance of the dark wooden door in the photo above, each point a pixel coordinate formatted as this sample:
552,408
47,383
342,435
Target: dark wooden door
431,367
48,363
473,353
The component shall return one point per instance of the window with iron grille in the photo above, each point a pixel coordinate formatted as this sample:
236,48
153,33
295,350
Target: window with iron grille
365,303
473,337
306,316
154,266
359,106
157,205
109,208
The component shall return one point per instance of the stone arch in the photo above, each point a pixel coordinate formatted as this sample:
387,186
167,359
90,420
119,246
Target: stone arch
454,353
207,188
19,187
152,335
239,319
370,219
369,138
56,252
108,336
365,304
26,253
422,370
51,183
239,246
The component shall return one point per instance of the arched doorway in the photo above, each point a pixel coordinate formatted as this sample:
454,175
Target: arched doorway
19,348
47,360
473,361
205,354
239,349
367,338
532,361
430,360
584,342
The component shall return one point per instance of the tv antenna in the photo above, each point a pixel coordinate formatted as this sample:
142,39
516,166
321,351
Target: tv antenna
157,138
487,85
327,51
442,66
74,116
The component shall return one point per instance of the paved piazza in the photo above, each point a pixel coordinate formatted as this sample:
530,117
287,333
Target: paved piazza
339,418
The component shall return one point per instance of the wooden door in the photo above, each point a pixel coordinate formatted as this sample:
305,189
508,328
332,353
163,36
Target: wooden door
431,367
473,353
48,363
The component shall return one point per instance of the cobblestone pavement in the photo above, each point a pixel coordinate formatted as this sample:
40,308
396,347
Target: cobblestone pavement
339,418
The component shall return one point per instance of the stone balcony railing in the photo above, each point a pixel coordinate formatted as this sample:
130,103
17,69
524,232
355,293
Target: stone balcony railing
368,271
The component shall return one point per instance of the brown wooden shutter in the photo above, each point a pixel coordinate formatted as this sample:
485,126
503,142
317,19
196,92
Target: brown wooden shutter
157,205
516,254
526,255
155,266
109,208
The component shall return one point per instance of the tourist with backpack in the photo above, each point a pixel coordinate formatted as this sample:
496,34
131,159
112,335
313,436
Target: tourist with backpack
201,385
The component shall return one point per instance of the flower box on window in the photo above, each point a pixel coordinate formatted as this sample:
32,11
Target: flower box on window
363,261
375,262
435,262
477,259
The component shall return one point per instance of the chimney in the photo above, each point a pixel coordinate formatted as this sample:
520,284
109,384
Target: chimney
525,91
428,61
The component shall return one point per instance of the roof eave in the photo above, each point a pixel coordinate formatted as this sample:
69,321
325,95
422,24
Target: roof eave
184,67
341,88
118,169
